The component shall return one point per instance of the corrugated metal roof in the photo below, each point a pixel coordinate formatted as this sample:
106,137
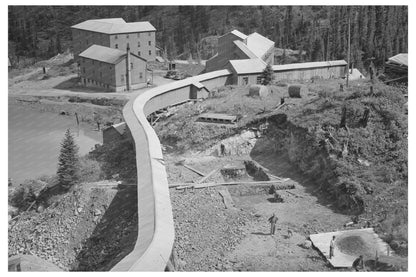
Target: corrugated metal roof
248,66
401,59
258,44
245,49
239,34
114,26
295,66
103,54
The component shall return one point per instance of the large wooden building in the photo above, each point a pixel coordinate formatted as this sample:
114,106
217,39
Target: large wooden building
238,46
111,69
115,33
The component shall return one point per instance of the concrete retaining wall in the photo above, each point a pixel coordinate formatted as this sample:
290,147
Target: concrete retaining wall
156,230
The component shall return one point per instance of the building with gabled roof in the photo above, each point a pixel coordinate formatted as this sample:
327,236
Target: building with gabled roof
112,69
238,46
115,33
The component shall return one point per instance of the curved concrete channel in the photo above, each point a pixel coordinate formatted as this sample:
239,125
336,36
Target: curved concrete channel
156,230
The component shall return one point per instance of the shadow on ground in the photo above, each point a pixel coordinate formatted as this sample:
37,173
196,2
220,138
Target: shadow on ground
279,165
74,85
115,235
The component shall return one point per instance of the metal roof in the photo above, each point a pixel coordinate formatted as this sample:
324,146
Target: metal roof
401,59
248,66
103,54
120,127
258,44
245,49
296,66
114,26
198,85
239,34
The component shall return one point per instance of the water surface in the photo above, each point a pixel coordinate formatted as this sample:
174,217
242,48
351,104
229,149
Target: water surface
35,138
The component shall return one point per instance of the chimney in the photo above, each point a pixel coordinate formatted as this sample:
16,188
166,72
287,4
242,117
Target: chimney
128,69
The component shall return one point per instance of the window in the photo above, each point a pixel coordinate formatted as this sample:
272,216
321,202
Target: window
115,37
138,53
116,46
138,44
259,79
127,36
131,65
245,80
150,43
150,52
83,60
122,77
141,75
138,35
149,34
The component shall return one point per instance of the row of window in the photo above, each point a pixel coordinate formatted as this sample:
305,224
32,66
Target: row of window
128,35
93,82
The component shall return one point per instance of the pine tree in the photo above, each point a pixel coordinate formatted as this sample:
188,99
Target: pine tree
267,75
68,163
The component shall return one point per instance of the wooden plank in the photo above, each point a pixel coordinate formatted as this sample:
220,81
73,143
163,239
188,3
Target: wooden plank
204,185
203,179
194,170
226,197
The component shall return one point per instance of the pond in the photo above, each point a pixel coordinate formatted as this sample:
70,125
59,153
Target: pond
35,138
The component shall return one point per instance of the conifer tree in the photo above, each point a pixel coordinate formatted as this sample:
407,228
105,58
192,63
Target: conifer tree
68,163
267,75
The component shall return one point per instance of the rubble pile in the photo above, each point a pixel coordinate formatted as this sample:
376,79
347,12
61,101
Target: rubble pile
205,231
64,232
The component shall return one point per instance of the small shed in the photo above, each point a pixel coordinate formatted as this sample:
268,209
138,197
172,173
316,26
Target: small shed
198,91
115,133
258,91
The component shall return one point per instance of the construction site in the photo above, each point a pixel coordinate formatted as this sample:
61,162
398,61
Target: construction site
241,166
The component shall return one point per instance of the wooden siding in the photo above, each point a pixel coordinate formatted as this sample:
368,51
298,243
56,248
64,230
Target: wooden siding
82,39
112,76
307,74
97,73
133,40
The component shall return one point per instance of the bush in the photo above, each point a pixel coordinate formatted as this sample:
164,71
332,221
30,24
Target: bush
90,170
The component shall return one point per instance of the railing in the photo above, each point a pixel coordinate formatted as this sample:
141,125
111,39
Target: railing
156,230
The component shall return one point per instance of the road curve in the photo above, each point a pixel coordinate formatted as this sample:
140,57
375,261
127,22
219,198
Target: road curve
156,230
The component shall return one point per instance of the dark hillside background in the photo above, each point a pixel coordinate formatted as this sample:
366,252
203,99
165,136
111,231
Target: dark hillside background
40,32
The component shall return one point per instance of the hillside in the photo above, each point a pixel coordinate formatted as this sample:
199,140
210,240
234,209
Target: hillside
39,32
359,162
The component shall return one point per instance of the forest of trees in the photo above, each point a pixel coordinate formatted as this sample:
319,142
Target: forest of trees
376,31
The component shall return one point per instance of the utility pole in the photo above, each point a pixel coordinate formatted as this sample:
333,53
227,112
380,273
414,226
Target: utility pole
349,46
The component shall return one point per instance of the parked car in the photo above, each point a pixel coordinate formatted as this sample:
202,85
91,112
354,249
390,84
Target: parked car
170,74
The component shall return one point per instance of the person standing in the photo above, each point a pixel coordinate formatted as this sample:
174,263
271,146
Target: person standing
273,219
332,247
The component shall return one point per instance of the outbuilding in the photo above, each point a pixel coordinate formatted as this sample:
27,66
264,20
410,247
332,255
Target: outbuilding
112,69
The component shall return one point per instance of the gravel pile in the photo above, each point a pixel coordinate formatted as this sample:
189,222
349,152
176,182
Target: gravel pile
205,230
78,231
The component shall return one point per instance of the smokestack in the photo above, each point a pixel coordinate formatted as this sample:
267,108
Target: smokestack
128,69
